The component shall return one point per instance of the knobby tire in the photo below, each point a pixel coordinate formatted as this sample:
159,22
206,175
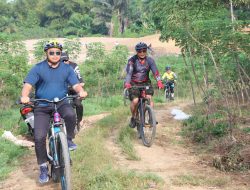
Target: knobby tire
64,161
147,124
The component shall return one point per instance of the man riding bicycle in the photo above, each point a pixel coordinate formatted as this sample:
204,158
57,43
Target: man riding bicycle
50,78
137,69
170,80
77,102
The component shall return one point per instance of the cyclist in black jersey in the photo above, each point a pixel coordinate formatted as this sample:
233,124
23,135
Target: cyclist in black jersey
77,102
138,69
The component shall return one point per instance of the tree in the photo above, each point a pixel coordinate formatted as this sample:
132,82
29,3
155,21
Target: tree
107,11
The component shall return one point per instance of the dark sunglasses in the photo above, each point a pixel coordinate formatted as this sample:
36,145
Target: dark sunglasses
53,53
143,50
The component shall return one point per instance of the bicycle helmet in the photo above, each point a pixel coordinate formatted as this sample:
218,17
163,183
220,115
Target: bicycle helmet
52,44
168,68
64,56
141,45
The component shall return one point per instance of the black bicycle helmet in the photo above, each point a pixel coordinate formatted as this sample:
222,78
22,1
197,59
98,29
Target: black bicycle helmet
141,45
168,68
64,56
52,44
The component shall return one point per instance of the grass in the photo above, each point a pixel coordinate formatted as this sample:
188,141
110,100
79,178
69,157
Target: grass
125,141
199,180
93,106
9,156
93,166
9,152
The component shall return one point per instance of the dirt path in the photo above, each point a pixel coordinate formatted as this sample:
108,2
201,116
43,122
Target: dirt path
26,176
177,166
168,158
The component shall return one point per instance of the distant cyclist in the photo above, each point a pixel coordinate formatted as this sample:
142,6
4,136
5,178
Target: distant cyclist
138,69
77,102
171,78
50,78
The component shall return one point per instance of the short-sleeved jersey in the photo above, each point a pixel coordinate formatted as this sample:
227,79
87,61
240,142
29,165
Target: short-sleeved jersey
51,82
169,76
138,71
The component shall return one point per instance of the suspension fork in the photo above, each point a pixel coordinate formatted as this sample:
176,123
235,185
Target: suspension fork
53,138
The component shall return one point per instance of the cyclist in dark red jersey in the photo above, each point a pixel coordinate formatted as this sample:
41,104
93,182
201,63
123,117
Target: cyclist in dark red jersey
138,69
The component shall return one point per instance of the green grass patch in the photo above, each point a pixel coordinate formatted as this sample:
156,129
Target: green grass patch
97,105
125,141
93,166
9,154
198,180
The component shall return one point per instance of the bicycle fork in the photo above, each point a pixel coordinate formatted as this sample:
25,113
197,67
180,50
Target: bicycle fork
53,157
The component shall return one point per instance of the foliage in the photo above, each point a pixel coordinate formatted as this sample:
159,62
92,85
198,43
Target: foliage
13,67
214,49
36,19
202,130
102,69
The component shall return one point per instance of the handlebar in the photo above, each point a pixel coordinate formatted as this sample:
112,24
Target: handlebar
55,100
140,87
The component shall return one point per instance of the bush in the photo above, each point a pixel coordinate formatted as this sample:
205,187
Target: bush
200,129
102,70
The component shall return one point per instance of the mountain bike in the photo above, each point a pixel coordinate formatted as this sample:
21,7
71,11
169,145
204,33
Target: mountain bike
145,118
58,153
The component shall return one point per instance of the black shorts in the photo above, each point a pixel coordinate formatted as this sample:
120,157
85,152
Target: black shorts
135,92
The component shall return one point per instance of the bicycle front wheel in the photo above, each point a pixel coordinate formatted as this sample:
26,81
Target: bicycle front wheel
64,161
167,94
148,126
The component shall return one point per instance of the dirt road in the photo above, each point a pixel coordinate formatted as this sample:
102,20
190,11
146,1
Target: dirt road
160,48
168,158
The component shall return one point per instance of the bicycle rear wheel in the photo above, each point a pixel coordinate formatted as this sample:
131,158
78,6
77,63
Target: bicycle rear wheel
147,126
64,161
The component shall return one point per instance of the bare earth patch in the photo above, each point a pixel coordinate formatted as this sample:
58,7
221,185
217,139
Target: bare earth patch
160,48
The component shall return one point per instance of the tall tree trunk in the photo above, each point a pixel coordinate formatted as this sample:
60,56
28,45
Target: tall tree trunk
191,82
193,69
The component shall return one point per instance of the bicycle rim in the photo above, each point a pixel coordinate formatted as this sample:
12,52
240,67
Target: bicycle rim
64,161
148,126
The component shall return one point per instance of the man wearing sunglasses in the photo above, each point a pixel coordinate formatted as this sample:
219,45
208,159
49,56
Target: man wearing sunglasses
138,69
77,102
50,78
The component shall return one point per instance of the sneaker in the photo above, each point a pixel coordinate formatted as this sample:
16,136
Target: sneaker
132,123
44,177
71,145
